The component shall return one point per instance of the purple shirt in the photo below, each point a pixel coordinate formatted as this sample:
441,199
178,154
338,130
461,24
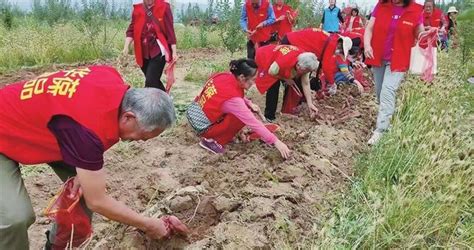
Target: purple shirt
396,14
79,146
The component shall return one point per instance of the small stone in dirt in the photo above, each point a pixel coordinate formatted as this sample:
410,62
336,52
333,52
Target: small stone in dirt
181,203
222,204
168,153
43,220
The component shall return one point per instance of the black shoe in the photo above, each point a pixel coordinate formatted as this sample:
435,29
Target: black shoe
48,245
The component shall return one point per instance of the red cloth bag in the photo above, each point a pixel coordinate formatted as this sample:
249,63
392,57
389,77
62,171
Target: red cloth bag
73,224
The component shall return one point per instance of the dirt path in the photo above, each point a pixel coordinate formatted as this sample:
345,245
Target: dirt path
248,197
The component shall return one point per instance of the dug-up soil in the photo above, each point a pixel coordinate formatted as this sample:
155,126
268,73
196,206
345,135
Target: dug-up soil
248,197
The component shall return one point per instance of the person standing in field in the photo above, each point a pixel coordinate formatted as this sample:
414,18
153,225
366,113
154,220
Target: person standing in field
152,33
434,18
285,18
288,64
332,18
452,25
388,39
68,119
353,21
222,103
255,20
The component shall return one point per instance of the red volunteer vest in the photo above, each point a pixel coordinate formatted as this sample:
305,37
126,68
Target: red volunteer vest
329,67
286,56
255,17
433,19
218,89
356,33
356,24
139,16
91,96
309,40
284,26
404,35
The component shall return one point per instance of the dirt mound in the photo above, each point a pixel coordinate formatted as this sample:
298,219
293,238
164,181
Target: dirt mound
248,197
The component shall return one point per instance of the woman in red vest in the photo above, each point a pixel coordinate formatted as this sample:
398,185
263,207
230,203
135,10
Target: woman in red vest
68,119
434,17
286,63
388,39
224,110
353,21
152,33
285,18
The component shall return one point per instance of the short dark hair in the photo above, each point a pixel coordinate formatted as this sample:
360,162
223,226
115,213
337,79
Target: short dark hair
405,2
356,10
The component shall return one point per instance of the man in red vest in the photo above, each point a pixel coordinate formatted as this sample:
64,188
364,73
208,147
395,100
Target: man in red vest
68,119
255,20
323,45
286,63
285,18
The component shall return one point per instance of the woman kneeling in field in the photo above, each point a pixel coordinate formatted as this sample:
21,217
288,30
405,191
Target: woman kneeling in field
221,110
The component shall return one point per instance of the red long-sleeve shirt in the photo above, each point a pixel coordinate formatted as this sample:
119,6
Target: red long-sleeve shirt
150,46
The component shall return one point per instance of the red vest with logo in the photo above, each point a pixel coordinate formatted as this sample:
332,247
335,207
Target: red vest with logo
286,56
356,24
433,19
309,40
255,17
284,26
91,96
139,17
218,89
404,35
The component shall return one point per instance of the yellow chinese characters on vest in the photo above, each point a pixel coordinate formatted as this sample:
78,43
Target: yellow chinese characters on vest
64,83
209,91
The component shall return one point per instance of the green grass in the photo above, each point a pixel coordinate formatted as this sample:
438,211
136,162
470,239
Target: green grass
415,188
31,42
201,70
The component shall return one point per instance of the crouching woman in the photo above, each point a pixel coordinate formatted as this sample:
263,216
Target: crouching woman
221,110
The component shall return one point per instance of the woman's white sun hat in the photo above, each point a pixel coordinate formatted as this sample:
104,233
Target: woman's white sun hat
452,9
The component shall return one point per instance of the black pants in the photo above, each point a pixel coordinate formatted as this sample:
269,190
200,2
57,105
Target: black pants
271,101
284,40
251,48
153,69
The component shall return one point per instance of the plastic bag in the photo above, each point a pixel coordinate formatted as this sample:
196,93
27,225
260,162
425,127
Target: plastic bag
170,78
423,58
73,225
291,101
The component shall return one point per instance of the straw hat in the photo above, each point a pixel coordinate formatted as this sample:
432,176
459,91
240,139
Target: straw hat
452,9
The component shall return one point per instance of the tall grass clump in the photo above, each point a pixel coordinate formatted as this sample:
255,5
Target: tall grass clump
415,188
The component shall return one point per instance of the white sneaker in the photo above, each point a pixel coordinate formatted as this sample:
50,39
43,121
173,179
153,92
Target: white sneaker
375,138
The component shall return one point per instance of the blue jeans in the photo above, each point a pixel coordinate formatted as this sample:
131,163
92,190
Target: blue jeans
386,86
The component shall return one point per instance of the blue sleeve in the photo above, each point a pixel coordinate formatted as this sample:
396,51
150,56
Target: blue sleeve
270,16
243,18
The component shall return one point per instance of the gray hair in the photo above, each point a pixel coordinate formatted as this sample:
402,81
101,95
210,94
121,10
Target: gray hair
152,107
308,61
